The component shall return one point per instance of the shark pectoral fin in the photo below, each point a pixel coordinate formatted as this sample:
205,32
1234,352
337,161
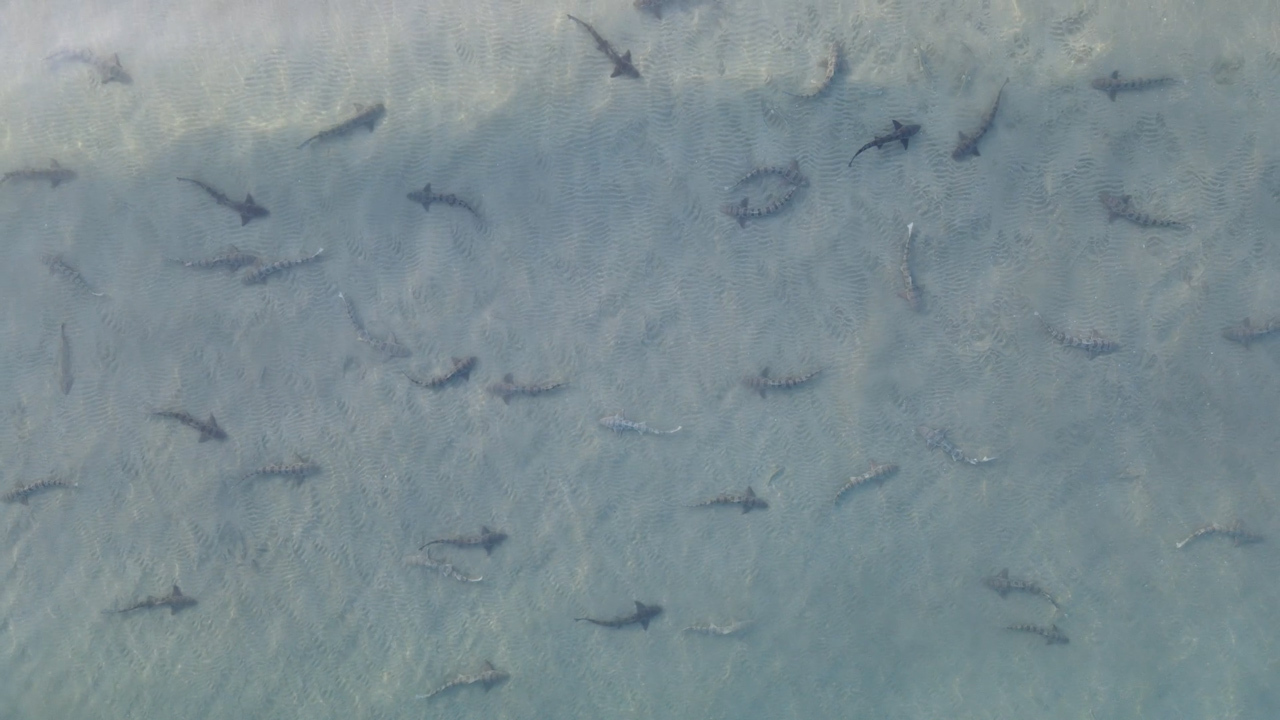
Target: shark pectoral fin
245,218
904,144
975,151
1112,93
645,623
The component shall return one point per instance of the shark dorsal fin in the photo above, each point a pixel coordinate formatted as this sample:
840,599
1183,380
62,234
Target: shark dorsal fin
54,164
640,607
1115,74
177,591
626,56
1004,574
897,125
509,379
487,667
750,493
248,199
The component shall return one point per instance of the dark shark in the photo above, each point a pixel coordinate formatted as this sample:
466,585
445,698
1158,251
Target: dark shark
248,209
642,616
175,601
621,63
55,174
367,117
901,133
968,144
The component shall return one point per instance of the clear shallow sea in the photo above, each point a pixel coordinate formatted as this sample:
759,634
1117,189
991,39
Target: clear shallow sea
603,259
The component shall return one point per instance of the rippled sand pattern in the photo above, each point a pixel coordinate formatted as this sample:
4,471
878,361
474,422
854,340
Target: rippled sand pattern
598,255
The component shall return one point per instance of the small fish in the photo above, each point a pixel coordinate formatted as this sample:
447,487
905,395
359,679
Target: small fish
488,677
910,291
425,197
1051,634
713,629
1094,343
1113,84
248,209
391,347
1003,585
461,371
509,388
901,133
208,429
1246,332
968,144
231,260
365,117
55,174
487,539
1235,531
748,500
877,472
58,266
832,63
23,493
762,382
1122,206
936,439
443,566
260,273
300,469
642,616
791,173
109,70
175,601
618,423
65,377
621,63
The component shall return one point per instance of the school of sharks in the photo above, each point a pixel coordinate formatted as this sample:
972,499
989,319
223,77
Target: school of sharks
788,182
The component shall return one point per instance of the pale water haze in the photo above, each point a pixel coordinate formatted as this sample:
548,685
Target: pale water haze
576,232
